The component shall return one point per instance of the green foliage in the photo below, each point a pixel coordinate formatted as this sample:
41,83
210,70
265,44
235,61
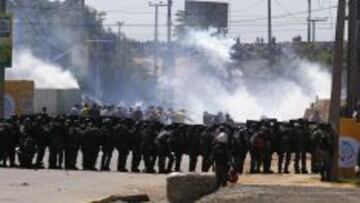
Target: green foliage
315,52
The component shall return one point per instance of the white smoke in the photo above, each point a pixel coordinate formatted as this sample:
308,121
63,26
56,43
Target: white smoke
45,74
281,91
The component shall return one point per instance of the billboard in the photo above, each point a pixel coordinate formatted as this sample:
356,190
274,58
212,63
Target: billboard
5,40
19,97
204,14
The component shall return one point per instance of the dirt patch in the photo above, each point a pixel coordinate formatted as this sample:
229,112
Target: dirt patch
282,194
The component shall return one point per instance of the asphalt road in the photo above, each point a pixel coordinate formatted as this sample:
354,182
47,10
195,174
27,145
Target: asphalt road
43,186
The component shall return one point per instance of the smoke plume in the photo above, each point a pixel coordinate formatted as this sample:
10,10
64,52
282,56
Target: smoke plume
210,81
45,74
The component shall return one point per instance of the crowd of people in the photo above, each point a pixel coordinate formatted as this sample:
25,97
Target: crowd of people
151,113
221,143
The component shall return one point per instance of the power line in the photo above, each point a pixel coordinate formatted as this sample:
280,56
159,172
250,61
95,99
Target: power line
279,30
63,8
286,11
156,34
27,19
145,25
40,36
234,24
247,8
274,25
331,18
283,15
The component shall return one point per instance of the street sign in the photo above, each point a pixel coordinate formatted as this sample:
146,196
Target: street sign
206,14
6,44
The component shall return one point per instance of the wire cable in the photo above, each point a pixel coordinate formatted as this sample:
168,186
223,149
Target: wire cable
283,15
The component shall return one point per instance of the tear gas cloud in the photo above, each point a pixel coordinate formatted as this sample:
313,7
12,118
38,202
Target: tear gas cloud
44,74
256,89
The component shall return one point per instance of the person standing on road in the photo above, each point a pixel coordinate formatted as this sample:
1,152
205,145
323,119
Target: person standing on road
221,157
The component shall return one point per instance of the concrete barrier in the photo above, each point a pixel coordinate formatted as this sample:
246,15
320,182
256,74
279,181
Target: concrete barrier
189,187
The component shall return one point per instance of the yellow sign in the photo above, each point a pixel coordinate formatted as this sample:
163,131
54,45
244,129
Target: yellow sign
20,97
5,40
349,146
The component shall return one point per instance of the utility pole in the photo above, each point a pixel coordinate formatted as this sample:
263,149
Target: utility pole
156,40
156,34
313,22
120,24
82,11
170,59
3,6
121,45
269,26
313,30
309,22
169,21
2,71
353,90
335,104
81,14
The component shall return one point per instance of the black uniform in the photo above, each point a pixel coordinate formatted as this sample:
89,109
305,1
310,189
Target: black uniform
8,142
27,146
72,145
90,147
163,143
108,144
56,146
221,157
122,141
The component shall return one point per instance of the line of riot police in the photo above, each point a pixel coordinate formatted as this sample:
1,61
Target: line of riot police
24,141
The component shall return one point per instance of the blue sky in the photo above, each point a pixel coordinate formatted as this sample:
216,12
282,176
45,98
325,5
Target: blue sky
247,17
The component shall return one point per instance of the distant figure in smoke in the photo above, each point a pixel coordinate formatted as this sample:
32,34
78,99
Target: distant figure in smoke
160,113
130,113
207,118
44,111
85,111
316,117
168,117
75,110
229,120
219,118
119,112
149,113
155,113
95,112
138,114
